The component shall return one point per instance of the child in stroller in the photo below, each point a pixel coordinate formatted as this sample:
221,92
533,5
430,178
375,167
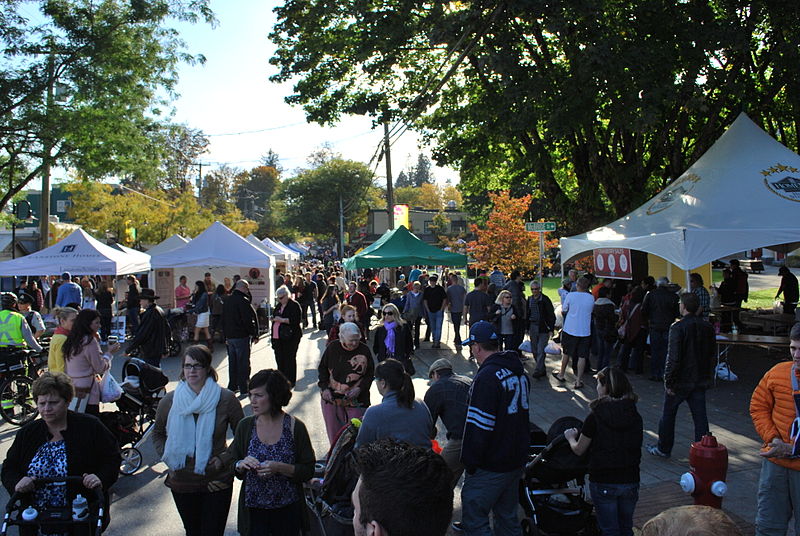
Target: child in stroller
552,490
143,388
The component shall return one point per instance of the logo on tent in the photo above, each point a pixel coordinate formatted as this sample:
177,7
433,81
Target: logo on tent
787,187
68,249
682,186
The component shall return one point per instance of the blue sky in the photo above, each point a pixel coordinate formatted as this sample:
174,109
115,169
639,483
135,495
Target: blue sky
231,93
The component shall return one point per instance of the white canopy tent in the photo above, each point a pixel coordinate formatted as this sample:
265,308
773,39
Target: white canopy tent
173,242
222,252
743,193
272,244
134,253
79,253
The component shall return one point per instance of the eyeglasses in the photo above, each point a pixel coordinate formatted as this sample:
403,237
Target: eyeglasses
389,313
535,288
195,366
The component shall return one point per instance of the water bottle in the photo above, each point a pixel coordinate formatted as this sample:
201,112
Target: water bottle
29,514
80,508
735,330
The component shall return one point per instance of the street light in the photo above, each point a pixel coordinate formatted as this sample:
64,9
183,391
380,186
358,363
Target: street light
15,215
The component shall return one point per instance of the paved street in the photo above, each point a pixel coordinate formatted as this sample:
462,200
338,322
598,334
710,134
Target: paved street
143,505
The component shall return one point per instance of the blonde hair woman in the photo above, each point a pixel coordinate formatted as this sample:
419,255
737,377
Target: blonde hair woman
507,319
393,338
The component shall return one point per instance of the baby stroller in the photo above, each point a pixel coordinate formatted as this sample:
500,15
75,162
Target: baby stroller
143,388
327,496
552,490
55,520
176,318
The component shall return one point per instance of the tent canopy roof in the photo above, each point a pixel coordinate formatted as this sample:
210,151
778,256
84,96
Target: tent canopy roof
216,246
78,253
400,247
278,247
173,242
743,193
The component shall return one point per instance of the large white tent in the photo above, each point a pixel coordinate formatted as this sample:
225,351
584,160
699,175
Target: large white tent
272,244
221,252
79,253
743,193
140,256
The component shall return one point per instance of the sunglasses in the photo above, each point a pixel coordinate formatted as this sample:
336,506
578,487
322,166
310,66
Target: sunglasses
390,313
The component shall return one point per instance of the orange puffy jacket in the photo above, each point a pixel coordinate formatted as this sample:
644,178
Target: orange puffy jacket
772,409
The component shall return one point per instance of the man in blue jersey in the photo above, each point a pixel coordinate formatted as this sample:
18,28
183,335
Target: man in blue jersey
496,436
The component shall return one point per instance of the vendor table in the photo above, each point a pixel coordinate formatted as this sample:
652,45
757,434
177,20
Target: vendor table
726,341
772,322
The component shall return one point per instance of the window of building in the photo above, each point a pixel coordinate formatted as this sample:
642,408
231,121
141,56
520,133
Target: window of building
459,226
428,224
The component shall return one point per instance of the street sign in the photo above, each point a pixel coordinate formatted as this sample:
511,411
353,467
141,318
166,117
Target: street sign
540,226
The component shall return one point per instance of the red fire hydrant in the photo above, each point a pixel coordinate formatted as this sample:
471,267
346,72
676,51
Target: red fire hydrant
708,461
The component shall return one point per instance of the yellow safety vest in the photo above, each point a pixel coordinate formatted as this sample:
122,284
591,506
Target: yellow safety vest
11,329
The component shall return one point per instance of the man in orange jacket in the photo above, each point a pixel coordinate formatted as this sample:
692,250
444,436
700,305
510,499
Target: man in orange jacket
775,409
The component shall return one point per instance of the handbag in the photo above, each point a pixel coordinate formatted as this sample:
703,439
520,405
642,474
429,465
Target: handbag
80,400
110,389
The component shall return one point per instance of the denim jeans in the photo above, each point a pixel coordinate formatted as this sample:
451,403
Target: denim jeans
659,340
696,398
538,344
484,492
603,351
238,364
455,318
778,499
614,504
435,323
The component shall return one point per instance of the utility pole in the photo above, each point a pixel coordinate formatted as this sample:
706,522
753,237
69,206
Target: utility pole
389,185
44,212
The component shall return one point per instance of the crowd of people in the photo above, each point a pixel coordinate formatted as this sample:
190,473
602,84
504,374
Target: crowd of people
374,332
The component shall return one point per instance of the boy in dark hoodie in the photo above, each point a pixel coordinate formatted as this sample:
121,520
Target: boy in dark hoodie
496,435
612,433
604,321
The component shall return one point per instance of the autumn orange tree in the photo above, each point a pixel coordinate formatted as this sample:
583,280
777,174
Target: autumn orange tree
503,241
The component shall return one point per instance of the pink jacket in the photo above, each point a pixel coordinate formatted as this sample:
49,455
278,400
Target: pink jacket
83,368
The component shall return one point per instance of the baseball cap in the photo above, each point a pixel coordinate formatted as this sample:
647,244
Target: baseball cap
481,331
439,364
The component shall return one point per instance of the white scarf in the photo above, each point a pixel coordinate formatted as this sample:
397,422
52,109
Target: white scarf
185,436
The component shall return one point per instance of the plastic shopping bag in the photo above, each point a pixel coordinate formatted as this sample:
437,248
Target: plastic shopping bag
110,389
725,373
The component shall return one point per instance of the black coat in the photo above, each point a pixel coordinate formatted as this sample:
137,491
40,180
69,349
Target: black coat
239,319
293,313
91,448
403,345
691,355
517,324
547,314
154,335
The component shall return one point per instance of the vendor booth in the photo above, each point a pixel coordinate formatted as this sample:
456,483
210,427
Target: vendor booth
286,257
173,242
400,247
79,254
222,252
743,193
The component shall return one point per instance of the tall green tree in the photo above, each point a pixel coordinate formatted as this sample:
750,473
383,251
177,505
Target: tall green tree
83,81
590,105
311,199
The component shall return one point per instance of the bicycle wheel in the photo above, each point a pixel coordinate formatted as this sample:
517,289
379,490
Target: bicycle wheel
131,460
16,400
174,348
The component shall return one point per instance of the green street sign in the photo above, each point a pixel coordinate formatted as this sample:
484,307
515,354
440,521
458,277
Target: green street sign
540,226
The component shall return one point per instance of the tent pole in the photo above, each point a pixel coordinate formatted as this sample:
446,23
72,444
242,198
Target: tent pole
688,286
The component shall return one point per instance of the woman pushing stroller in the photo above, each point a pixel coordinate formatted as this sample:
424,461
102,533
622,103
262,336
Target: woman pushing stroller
612,434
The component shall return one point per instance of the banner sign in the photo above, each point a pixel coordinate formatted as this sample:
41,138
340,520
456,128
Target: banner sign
613,262
401,216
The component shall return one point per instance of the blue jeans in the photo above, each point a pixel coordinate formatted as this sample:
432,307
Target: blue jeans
778,499
538,344
659,339
696,398
435,320
603,352
238,364
614,504
484,492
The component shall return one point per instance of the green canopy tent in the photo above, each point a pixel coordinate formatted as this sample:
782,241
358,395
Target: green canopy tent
400,247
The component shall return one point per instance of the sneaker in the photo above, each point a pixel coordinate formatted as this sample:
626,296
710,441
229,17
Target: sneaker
655,451
457,526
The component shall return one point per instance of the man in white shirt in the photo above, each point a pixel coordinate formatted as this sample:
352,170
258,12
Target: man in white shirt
576,335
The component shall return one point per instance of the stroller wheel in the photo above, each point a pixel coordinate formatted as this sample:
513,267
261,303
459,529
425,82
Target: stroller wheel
131,460
174,348
529,527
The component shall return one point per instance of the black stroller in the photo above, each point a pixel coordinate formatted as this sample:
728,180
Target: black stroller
552,491
176,318
57,520
143,388
327,496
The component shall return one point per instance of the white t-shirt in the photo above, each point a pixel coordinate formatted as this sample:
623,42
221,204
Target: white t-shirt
577,308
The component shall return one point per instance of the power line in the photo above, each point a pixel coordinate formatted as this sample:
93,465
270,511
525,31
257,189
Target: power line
254,131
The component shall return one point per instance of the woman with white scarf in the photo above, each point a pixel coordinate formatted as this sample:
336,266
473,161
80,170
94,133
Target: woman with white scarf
189,435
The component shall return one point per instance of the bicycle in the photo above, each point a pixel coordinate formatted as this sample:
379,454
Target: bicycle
18,369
